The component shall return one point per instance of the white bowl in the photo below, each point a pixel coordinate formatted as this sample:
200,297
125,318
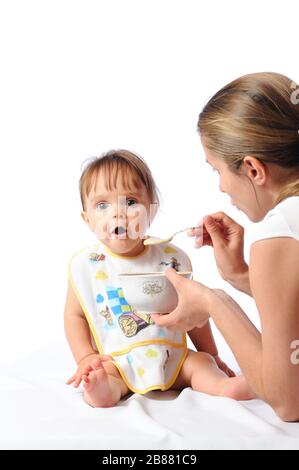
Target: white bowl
150,292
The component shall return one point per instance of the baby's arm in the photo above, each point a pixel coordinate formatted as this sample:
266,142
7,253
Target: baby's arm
78,336
202,338
204,341
76,327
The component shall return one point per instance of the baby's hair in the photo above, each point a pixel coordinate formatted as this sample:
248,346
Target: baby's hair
131,167
255,115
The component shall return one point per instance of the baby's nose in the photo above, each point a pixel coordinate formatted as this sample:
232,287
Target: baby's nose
118,211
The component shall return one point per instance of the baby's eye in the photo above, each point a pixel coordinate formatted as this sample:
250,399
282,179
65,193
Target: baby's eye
131,202
102,206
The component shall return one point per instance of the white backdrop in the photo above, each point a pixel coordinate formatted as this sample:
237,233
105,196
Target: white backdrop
79,77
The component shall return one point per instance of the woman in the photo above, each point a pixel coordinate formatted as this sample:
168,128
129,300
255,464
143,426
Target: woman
249,131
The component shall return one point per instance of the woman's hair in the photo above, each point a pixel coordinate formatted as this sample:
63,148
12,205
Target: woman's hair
132,169
255,115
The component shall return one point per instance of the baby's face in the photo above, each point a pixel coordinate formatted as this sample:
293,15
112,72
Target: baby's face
119,217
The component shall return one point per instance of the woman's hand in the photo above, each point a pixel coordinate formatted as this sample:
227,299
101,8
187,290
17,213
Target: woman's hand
227,238
193,304
91,362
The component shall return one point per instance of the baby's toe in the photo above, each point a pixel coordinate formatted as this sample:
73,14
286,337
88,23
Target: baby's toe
89,381
96,364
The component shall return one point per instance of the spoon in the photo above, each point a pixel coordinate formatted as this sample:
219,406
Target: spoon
158,241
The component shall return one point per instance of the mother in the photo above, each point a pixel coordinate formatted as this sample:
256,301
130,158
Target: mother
250,134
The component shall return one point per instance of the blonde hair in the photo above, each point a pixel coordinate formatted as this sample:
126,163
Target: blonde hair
131,167
255,115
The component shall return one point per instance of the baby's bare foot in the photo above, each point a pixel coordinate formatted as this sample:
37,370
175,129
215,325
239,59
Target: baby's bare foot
100,389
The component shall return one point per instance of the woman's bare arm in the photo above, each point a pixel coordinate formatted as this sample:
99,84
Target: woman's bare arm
265,359
76,327
241,282
274,278
241,335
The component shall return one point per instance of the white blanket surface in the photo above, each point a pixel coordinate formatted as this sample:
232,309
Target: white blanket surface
38,411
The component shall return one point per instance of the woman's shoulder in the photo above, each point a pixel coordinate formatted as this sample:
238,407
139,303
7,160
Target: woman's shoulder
281,221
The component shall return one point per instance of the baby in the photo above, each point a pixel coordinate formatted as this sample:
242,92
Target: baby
117,349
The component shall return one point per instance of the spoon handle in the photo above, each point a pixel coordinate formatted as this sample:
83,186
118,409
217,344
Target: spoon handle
183,230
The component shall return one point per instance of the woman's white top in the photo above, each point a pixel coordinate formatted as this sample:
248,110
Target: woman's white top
282,221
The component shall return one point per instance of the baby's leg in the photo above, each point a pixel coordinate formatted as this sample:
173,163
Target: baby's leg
104,386
201,372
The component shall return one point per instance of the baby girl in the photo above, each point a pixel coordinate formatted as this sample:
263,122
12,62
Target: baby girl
119,350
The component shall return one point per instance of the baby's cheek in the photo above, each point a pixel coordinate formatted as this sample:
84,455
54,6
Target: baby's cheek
101,229
137,220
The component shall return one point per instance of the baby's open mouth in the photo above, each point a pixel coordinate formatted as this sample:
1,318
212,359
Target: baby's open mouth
120,232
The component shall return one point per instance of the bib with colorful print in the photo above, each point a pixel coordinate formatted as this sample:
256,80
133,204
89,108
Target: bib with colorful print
147,356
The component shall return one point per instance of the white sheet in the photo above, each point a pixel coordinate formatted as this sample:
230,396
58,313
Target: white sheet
38,411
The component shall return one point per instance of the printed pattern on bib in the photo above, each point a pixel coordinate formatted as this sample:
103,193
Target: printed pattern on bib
147,356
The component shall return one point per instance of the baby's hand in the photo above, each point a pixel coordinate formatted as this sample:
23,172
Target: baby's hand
91,362
222,366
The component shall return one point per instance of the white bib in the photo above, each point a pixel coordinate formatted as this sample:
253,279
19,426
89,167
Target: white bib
147,356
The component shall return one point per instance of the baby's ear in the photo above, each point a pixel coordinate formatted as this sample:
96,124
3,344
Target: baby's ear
85,217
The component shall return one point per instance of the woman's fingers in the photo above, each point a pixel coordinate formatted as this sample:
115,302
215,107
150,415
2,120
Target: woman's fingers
171,321
165,320
192,308
216,220
214,229
226,224
175,279
223,218
202,234
205,240
195,231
